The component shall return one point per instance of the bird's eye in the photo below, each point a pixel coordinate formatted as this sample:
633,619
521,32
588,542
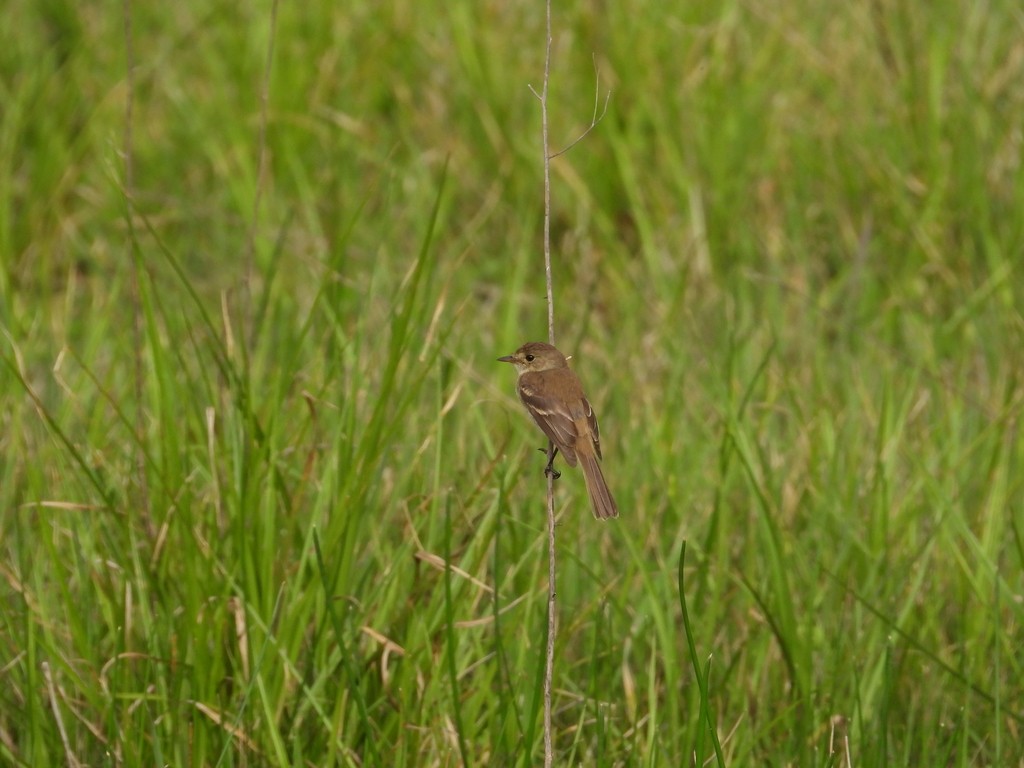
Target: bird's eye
529,358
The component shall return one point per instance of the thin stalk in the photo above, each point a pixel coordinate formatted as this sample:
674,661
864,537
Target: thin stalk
549,667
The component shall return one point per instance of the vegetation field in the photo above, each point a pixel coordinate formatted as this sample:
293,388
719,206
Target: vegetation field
267,498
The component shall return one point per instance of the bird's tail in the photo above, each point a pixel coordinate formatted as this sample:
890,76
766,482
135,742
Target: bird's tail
600,497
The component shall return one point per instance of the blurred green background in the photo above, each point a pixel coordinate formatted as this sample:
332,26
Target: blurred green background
268,499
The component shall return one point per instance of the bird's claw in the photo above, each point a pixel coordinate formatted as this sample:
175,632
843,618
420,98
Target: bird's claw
549,470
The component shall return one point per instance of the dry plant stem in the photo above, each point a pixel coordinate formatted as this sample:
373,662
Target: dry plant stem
549,666
551,475
55,707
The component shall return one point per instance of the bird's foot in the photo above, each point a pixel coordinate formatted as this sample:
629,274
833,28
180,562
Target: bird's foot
549,470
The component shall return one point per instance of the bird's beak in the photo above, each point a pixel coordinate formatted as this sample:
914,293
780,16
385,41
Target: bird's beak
507,359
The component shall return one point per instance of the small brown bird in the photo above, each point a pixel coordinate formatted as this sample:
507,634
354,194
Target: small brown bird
553,395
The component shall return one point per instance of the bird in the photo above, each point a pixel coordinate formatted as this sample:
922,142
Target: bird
553,396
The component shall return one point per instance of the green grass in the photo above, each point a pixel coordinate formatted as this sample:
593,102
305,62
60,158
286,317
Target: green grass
787,266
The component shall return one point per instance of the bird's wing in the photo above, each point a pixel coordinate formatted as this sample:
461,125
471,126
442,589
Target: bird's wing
552,417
